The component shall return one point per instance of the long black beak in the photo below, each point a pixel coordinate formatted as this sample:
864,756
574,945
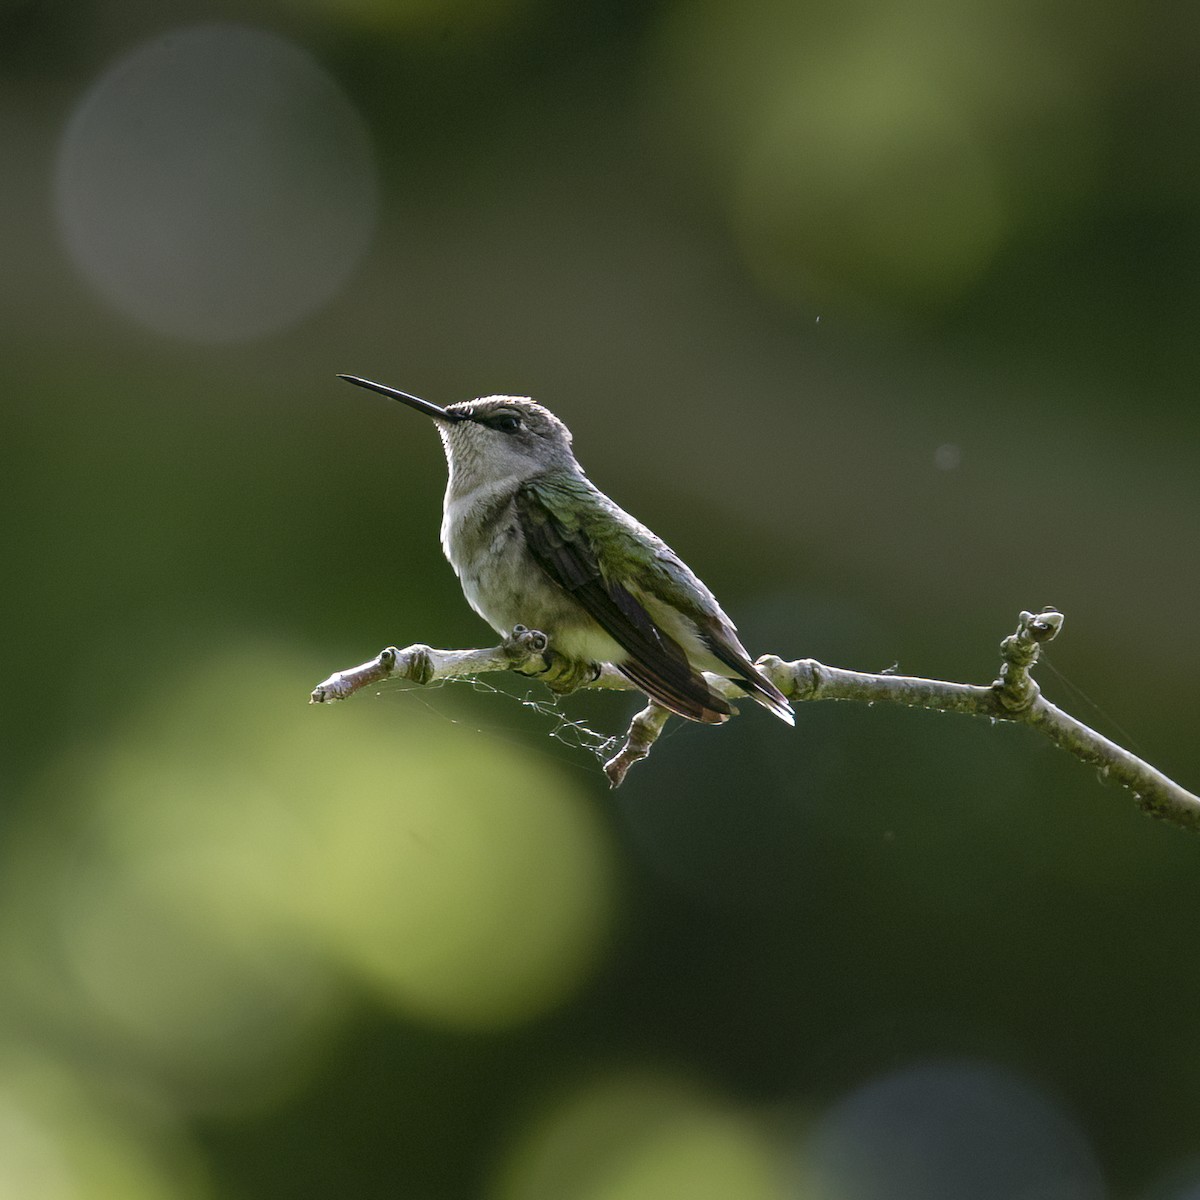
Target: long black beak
430,410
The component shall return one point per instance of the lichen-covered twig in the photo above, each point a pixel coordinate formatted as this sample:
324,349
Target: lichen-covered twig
1013,696
521,650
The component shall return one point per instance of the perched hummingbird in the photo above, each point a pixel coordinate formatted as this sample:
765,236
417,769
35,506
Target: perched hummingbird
534,542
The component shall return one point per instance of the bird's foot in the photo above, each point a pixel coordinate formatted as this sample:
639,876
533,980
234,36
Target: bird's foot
564,675
559,673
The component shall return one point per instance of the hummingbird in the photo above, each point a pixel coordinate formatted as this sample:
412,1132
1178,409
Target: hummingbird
534,542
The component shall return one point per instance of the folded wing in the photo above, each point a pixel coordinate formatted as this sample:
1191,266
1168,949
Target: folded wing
657,663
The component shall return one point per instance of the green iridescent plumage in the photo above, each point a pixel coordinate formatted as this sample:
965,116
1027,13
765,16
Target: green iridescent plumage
641,593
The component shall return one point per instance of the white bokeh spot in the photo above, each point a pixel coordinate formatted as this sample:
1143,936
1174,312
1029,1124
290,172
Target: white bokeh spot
949,1130
216,184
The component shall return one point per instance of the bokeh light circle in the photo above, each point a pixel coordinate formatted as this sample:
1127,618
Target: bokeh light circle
872,193
215,184
64,1136
945,1130
640,1135
258,860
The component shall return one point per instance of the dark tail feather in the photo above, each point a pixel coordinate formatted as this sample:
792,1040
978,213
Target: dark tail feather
760,688
689,697
753,682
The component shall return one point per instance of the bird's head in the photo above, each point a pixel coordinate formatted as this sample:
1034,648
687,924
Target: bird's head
493,438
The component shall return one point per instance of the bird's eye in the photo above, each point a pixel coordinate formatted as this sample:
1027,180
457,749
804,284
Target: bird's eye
507,423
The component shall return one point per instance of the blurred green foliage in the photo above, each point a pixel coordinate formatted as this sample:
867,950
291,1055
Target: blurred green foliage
884,316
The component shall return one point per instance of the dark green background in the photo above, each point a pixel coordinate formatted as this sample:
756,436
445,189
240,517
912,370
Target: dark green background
765,260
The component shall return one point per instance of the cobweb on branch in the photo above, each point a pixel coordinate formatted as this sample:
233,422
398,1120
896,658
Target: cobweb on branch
568,731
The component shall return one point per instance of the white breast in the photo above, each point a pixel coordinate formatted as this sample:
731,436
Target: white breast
505,585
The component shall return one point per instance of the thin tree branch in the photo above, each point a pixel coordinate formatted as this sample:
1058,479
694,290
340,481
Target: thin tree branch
1013,696
422,664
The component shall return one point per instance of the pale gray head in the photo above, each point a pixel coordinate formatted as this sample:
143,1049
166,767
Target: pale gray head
492,438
